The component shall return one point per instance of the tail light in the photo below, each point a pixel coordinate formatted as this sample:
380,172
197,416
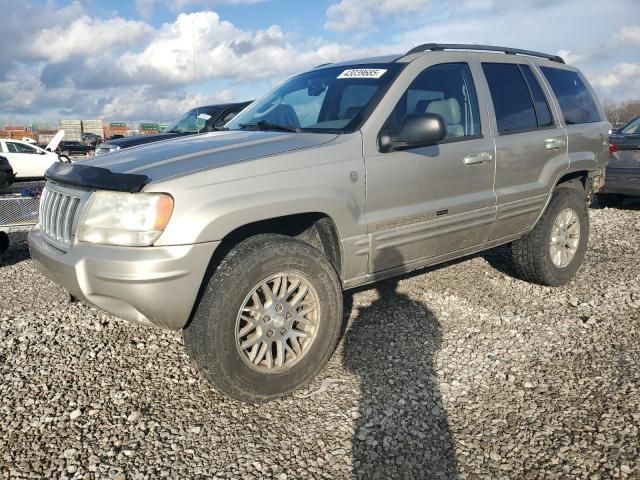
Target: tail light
613,148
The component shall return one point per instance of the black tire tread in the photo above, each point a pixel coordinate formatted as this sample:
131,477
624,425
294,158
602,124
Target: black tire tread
197,334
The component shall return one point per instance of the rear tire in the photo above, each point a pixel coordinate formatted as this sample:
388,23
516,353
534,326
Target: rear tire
228,319
532,254
610,199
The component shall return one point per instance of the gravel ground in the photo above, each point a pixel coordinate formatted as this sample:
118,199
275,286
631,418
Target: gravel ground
460,370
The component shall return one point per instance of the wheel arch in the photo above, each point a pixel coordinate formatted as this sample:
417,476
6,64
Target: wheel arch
318,229
574,179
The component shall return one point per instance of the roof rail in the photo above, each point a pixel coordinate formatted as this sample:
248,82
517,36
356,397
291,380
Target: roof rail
321,65
488,48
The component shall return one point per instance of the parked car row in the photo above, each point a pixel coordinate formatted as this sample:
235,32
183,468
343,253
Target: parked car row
30,161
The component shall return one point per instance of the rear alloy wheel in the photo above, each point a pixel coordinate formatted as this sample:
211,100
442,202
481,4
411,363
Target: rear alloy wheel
565,238
268,320
552,252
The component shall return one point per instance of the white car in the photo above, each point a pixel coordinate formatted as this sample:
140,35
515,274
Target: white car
27,161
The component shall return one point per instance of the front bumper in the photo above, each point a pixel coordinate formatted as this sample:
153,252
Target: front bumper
147,285
625,181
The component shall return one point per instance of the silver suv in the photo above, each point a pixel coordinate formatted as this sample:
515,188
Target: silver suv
341,176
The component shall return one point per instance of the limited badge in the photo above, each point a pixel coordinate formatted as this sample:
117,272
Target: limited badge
363,73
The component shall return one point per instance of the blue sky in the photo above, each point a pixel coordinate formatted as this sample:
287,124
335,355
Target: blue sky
133,60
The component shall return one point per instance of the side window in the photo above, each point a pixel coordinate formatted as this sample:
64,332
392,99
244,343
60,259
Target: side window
21,148
576,102
632,128
11,147
512,101
543,113
447,90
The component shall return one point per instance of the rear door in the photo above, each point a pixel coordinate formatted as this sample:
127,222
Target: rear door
531,145
430,201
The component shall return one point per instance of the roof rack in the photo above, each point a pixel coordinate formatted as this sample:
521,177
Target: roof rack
488,48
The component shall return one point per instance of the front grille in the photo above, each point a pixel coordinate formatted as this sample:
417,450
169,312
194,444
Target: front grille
58,210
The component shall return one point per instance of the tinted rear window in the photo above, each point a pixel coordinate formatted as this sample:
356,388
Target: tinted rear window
511,98
539,100
576,102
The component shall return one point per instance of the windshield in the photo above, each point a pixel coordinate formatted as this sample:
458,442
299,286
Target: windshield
198,120
334,99
632,128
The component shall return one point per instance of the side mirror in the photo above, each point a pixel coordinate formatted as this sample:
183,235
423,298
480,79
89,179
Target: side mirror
418,130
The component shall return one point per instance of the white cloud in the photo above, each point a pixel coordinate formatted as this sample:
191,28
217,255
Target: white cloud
350,15
630,35
64,62
622,74
139,103
147,7
570,57
86,36
224,51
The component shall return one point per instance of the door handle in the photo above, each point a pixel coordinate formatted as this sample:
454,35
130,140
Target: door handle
554,143
476,158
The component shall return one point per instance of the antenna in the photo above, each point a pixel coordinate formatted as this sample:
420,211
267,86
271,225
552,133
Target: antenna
195,71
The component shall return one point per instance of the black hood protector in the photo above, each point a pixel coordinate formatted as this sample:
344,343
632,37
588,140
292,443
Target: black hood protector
97,178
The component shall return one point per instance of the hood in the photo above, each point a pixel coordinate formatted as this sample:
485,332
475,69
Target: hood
185,155
55,141
127,142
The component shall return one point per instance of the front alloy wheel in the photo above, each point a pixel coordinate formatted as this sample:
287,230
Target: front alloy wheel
278,322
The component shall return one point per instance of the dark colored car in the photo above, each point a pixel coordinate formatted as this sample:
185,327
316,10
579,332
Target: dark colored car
71,147
6,173
623,172
92,139
203,119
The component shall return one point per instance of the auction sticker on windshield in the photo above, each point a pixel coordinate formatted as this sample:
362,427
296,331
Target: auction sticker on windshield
363,73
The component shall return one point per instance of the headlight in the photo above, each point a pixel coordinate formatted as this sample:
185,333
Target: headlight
115,218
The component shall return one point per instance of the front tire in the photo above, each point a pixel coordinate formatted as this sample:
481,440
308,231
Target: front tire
269,318
553,251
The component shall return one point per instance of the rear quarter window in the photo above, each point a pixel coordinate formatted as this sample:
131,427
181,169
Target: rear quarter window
576,102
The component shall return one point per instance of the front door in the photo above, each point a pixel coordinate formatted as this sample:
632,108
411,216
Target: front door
430,201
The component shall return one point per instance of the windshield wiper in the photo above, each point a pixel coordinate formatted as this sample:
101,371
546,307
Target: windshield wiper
264,125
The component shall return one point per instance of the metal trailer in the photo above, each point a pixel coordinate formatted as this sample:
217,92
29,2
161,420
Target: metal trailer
19,209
